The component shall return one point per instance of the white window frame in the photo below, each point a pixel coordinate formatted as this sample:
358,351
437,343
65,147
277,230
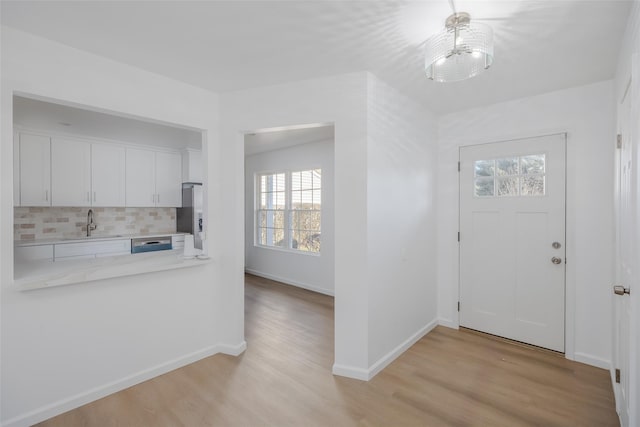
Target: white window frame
287,211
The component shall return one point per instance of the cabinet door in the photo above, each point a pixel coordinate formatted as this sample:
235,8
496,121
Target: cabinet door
70,172
35,170
92,249
168,179
33,253
140,178
107,175
192,166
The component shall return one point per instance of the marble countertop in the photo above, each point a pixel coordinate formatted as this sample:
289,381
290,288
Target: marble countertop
89,239
46,274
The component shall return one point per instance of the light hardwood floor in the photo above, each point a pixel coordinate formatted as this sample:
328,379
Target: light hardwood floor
448,378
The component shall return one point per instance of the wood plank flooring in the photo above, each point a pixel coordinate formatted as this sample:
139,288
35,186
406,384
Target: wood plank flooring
448,378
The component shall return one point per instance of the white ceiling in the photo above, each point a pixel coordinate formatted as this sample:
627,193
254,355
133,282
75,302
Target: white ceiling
260,142
540,46
45,116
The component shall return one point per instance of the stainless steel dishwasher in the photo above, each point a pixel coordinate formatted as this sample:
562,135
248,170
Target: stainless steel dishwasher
150,244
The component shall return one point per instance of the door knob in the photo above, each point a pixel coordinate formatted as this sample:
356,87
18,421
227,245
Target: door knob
621,290
556,260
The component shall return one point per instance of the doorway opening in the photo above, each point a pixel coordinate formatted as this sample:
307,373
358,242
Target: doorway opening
289,207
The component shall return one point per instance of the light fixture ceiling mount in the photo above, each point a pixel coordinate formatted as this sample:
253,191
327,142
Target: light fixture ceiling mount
460,51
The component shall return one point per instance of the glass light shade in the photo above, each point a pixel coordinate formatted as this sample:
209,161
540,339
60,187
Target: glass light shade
460,51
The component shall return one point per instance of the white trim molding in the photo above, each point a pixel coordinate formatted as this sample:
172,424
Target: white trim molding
592,360
384,361
72,402
289,282
351,372
448,323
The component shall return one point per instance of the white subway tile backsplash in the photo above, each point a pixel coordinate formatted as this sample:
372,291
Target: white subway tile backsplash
50,223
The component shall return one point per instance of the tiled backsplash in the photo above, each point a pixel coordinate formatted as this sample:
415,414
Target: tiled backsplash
53,223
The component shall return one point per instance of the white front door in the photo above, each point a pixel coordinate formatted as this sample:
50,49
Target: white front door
512,239
626,264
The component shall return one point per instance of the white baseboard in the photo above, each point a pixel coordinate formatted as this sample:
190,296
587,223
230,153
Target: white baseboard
233,350
289,282
384,361
448,323
350,372
99,392
592,360
578,357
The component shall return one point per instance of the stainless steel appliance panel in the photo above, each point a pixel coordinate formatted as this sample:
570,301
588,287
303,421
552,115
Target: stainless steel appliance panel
150,244
189,216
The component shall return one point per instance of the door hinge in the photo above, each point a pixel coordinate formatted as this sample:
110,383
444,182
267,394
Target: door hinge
458,166
458,305
619,141
458,236
618,376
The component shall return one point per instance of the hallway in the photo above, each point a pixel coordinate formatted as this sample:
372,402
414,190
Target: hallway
449,378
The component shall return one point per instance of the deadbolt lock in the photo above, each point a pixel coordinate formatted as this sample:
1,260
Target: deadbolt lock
556,245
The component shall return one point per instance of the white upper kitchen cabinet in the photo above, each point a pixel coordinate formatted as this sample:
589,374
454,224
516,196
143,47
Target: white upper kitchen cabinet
192,165
108,175
140,178
153,178
168,179
35,170
70,172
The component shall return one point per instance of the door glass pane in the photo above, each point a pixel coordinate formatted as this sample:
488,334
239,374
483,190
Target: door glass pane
532,164
532,186
507,166
484,167
483,187
508,186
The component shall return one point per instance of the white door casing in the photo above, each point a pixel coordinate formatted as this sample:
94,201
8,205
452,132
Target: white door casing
512,210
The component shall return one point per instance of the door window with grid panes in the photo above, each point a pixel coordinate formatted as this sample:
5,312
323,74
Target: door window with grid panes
289,206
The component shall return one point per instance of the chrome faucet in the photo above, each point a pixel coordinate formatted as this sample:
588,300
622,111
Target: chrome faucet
90,224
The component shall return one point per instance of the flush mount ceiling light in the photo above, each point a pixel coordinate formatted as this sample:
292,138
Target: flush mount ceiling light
460,51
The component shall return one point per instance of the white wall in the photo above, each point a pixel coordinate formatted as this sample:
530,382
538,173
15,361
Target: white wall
586,113
48,117
65,346
341,100
629,52
309,271
402,152
385,294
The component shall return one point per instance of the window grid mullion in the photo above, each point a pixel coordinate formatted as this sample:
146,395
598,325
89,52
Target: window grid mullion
287,209
258,210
